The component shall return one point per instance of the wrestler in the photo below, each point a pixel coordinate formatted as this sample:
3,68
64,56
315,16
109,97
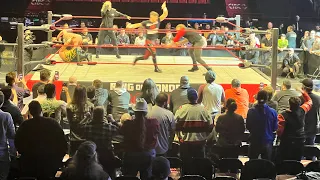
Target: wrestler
69,52
108,14
66,36
197,42
152,26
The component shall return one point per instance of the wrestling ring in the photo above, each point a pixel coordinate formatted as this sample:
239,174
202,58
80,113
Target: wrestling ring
109,69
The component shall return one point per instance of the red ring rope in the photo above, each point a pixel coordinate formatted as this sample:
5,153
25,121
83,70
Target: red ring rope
141,18
144,64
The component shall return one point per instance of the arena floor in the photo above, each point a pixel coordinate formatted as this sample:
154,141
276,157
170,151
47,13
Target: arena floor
225,68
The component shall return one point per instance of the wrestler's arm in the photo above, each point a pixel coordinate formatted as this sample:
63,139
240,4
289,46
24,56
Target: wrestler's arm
117,13
134,26
184,41
60,36
165,12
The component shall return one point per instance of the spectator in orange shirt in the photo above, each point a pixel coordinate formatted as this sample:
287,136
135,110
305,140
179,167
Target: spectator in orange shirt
240,95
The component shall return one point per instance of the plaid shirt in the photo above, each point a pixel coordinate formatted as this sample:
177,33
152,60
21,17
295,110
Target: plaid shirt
101,134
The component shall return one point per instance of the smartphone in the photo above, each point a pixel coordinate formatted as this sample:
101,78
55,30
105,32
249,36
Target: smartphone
56,75
20,77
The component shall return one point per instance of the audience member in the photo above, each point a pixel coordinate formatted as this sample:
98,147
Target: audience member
41,97
140,140
45,75
86,37
211,95
230,127
41,143
160,168
83,25
101,133
291,128
119,99
6,141
18,93
149,92
312,117
101,95
91,92
79,112
178,96
212,38
52,107
166,121
207,33
282,97
316,46
168,39
269,26
12,109
193,124
123,38
291,64
271,103
196,26
308,42
305,36
262,123
72,84
282,42
291,37
241,97
266,42
85,165
140,40
168,26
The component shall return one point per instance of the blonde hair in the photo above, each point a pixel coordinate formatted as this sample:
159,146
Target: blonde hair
180,26
153,13
270,91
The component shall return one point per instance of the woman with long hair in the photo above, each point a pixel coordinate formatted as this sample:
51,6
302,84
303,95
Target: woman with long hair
149,91
78,113
84,165
140,139
230,127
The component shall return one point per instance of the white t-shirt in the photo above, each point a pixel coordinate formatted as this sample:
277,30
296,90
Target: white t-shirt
212,95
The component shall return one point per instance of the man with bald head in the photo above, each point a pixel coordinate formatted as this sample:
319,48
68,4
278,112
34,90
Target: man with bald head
166,121
179,96
71,86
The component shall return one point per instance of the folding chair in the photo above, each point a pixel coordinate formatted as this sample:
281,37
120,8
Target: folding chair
230,165
198,166
289,167
192,177
313,166
258,168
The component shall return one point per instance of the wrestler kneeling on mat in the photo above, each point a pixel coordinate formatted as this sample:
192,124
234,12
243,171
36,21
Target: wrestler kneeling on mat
190,35
71,50
152,26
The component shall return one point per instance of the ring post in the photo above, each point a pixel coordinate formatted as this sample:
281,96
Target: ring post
275,35
20,49
49,22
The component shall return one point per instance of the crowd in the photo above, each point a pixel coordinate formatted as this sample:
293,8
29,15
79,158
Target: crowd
33,132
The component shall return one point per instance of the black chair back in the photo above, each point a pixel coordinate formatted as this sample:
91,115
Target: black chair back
290,167
174,151
225,178
310,151
258,168
175,162
127,178
229,165
198,166
313,166
192,177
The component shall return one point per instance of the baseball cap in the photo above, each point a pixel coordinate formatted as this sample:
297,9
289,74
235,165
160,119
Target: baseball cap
192,94
161,167
210,75
308,83
87,149
141,105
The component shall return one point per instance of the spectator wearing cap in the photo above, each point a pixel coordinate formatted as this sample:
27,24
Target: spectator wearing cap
312,117
193,125
41,143
160,168
291,127
291,64
211,95
18,93
230,127
52,107
119,99
41,97
7,146
101,95
140,141
282,97
166,121
241,97
178,96
271,103
101,133
266,43
12,109
45,75
262,124
85,165
291,37
71,86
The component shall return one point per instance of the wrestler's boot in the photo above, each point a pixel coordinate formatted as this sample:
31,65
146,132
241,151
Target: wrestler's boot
156,68
117,53
137,59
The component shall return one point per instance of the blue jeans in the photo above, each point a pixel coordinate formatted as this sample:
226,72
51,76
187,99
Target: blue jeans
4,169
263,149
135,162
310,140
